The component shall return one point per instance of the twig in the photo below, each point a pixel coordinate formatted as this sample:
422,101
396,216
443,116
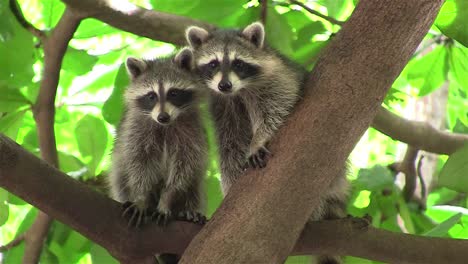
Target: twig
15,242
264,11
316,13
16,10
422,183
408,168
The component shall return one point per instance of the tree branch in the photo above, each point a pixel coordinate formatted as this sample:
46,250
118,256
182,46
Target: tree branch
420,135
143,22
316,13
263,11
44,111
99,218
15,242
343,93
15,9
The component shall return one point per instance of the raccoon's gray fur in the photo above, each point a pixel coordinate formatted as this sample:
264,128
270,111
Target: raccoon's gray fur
254,89
159,157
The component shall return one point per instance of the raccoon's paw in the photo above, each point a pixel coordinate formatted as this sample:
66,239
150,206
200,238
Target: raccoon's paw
161,219
258,158
135,214
191,216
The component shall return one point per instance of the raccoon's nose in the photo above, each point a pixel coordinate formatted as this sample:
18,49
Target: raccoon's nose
164,118
225,86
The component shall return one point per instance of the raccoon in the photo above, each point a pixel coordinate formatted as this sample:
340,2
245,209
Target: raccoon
254,89
160,152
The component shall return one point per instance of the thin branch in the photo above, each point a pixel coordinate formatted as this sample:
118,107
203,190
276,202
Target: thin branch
15,242
418,134
263,11
316,13
97,217
140,21
422,183
408,168
16,10
44,114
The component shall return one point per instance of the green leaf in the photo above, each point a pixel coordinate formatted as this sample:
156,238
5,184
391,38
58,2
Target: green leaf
11,99
452,20
11,123
454,174
90,28
278,32
442,229
100,255
113,108
306,33
13,199
91,136
52,11
222,13
375,179
27,221
4,213
16,49
308,54
213,191
70,164
7,27
430,71
298,260
78,62
458,60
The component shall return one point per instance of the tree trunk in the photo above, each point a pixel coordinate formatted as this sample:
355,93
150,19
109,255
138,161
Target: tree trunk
263,214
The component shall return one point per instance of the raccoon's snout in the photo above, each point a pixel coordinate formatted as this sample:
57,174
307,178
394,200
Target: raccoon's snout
225,86
163,118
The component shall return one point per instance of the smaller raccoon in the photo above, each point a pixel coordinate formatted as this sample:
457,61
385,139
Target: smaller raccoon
159,158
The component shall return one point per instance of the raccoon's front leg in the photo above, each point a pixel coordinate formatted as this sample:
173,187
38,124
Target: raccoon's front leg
136,210
258,152
164,213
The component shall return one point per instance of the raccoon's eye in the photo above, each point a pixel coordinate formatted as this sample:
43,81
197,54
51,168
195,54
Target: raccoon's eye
213,64
151,96
173,93
238,64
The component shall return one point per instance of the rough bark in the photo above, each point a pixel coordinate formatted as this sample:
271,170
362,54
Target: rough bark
342,96
98,218
140,21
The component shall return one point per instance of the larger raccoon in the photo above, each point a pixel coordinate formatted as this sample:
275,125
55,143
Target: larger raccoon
159,156
254,89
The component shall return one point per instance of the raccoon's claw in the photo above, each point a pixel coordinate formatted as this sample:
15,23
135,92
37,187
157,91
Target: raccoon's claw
259,158
135,216
161,219
190,216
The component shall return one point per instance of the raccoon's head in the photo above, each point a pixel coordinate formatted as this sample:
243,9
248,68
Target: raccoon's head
228,60
162,89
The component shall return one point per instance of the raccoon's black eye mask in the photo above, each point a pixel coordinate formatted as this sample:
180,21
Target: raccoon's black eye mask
147,101
179,97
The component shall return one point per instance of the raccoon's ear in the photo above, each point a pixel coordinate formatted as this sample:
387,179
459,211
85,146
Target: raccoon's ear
196,36
135,67
255,33
184,59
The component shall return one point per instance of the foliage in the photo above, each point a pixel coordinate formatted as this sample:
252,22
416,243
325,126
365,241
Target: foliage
89,106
